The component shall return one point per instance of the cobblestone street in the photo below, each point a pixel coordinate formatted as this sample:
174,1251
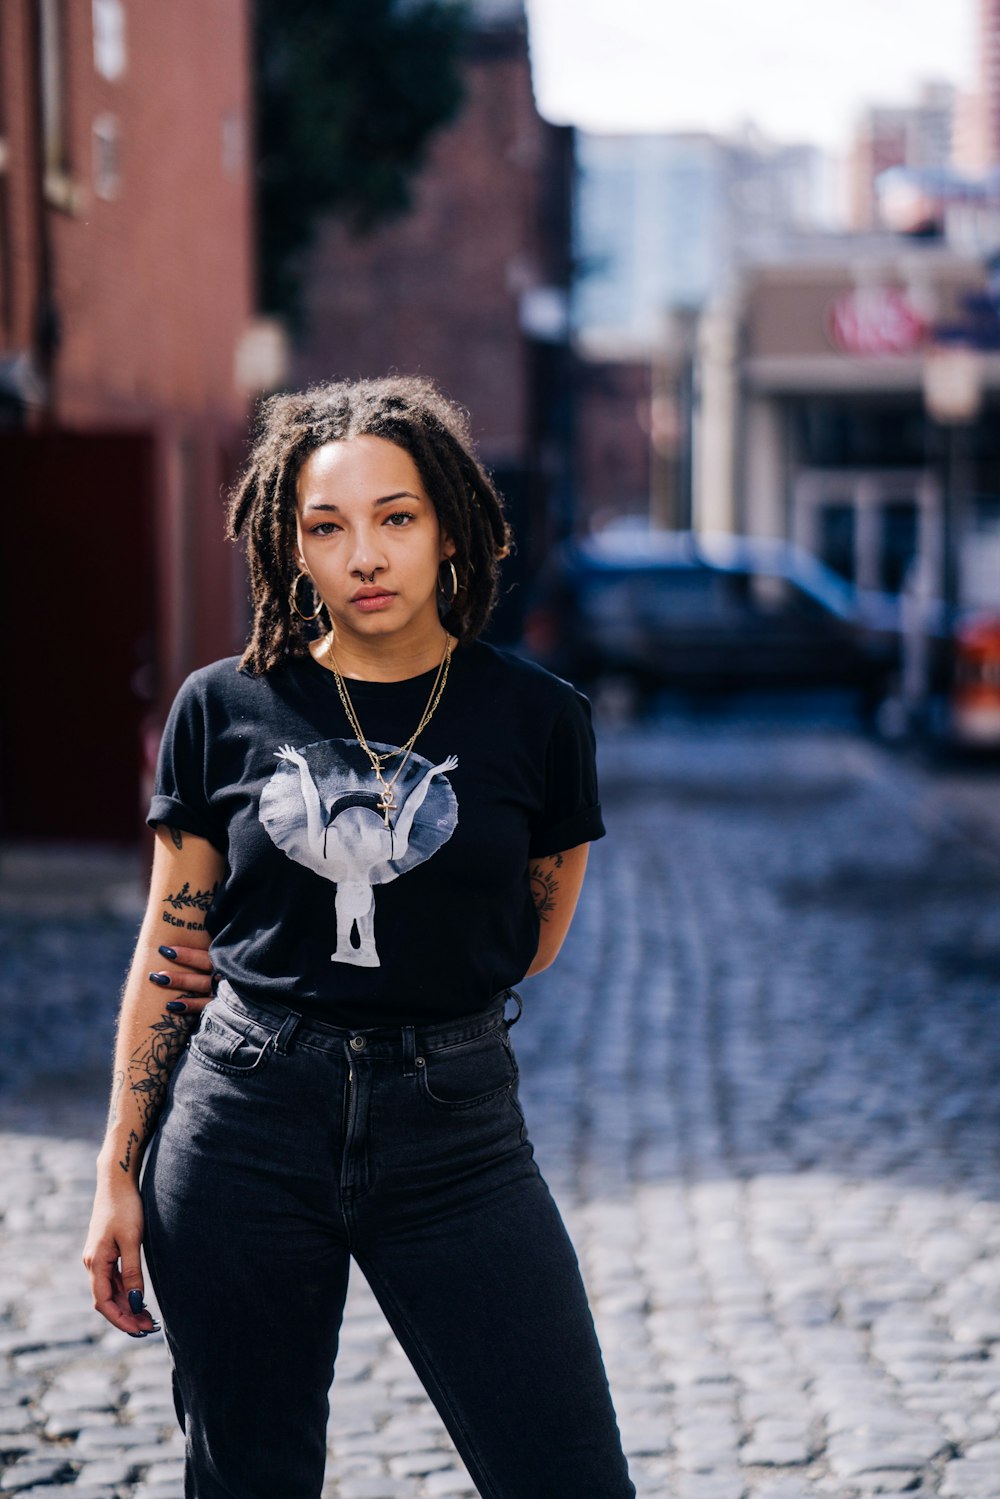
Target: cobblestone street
762,1081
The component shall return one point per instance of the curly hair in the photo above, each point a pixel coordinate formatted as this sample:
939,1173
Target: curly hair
406,410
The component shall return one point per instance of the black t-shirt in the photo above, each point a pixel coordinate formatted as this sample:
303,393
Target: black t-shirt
324,907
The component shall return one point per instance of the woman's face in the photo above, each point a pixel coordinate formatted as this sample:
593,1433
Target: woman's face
370,539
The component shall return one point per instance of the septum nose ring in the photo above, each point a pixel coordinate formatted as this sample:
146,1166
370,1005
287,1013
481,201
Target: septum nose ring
366,579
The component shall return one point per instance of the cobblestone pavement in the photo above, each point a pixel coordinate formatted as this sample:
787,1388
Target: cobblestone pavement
763,1082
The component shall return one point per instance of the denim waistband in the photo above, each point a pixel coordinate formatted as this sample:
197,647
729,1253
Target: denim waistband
287,1024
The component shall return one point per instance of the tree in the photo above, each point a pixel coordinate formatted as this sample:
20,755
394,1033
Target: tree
348,94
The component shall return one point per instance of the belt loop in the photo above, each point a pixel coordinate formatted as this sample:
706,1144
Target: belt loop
409,1051
513,994
289,1026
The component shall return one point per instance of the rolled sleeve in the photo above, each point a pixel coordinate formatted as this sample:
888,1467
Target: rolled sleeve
571,813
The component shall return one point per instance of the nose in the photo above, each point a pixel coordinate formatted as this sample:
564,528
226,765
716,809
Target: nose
367,556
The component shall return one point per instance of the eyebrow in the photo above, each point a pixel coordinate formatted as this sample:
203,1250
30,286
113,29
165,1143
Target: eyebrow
385,499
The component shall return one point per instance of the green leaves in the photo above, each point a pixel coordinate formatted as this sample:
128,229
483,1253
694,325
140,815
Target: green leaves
349,93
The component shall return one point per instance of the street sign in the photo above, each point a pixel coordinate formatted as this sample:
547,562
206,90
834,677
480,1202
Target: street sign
875,321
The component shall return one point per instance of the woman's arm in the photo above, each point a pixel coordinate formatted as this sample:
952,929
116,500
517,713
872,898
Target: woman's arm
186,874
556,882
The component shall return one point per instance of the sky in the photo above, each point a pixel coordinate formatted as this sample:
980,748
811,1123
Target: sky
799,69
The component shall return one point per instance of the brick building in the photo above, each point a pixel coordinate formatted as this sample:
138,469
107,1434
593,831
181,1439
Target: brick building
470,287
125,308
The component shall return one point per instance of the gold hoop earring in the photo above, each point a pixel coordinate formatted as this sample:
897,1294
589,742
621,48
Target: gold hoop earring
293,603
448,599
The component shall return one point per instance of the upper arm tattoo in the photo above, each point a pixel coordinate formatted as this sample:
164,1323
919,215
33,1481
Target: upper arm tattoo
543,888
178,837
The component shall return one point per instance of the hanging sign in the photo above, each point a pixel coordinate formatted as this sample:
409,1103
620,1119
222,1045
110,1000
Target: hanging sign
874,321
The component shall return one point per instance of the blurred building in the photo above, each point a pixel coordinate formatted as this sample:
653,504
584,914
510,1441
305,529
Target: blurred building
663,220
816,418
917,136
662,223
471,286
125,311
977,142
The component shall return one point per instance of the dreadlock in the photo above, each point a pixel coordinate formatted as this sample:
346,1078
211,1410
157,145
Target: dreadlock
406,410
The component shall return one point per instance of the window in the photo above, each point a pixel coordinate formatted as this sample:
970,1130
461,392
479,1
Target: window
109,38
107,156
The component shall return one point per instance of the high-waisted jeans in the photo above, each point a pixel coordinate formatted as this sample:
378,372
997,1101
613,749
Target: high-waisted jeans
287,1146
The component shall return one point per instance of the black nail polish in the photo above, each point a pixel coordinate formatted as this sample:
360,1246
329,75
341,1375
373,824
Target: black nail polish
138,1334
168,953
163,979
135,1301
176,1006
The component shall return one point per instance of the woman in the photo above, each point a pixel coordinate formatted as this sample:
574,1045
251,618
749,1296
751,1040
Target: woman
367,829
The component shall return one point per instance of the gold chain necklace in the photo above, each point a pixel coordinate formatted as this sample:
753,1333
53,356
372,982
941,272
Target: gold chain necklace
386,801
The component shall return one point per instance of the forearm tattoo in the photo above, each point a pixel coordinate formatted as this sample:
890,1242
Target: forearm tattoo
149,1069
543,889
187,899
117,1085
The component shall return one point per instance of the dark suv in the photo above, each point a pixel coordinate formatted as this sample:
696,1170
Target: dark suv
697,611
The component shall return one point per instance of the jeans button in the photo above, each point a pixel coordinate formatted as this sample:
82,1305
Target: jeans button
359,1043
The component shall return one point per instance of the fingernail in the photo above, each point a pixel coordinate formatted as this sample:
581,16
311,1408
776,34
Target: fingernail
163,979
168,953
138,1334
135,1301
175,1006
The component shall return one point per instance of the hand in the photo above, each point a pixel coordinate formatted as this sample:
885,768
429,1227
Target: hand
448,764
111,1255
287,752
189,970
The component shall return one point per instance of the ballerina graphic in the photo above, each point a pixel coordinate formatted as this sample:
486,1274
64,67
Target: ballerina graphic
319,809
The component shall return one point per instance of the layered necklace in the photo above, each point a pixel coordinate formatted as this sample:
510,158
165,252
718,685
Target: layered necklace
386,801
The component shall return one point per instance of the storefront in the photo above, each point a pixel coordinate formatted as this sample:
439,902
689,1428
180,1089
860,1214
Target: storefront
815,380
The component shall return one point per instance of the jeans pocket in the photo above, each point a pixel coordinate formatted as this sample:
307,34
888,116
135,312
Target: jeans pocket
468,1073
222,1044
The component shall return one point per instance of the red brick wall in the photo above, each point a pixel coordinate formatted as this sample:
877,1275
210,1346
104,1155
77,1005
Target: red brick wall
614,440
437,291
153,286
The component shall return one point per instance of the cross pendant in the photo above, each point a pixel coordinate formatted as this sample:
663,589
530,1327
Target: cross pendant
386,804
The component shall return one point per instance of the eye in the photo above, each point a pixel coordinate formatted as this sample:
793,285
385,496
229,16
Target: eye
399,518
324,528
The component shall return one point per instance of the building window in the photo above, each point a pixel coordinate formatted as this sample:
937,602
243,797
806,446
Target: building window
107,156
233,143
109,38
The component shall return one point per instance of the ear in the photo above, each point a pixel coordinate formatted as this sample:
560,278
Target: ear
448,548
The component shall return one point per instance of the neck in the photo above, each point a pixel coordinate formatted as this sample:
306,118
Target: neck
381,660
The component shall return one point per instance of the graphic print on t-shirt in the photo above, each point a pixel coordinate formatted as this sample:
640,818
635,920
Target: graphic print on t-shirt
321,808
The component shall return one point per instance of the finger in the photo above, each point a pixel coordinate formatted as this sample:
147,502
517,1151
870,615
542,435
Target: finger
194,983
188,957
111,1299
187,1004
129,1281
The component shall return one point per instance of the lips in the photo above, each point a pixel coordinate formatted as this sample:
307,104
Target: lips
370,599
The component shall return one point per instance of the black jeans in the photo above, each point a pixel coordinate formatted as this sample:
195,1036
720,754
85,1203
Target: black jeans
288,1146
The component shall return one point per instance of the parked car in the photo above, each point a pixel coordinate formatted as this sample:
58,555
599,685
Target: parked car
704,611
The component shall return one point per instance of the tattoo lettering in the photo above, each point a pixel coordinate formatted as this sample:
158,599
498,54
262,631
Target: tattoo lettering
543,889
188,926
200,900
151,1064
178,837
133,1139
